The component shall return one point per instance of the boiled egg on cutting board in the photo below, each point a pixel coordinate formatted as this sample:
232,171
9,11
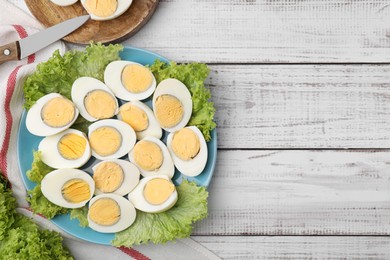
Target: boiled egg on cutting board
152,157
102,10
188,149
68,149
141,118
68,188
110,139
63,2
51,114
110,213
129,80
172,104
93,99
154,194
115,176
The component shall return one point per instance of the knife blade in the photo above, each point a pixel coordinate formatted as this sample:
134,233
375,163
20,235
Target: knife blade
31,44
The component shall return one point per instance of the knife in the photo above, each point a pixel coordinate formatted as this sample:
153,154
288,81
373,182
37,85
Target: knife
29,45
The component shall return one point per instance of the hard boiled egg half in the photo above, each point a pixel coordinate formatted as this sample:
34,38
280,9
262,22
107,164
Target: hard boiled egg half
68,188
110,139
110,213
51,114
152,157
93,99
64,2
154,194
105,9
172,104
141,118
129,80
115,176
189,150
68,149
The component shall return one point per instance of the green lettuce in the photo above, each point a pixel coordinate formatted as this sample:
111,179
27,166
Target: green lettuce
193,76
7,208
39,204
38,168
80,214
169,225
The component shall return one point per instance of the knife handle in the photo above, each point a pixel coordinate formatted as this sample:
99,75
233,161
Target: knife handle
9,52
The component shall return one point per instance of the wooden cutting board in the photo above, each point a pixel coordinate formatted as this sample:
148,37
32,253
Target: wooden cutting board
111,31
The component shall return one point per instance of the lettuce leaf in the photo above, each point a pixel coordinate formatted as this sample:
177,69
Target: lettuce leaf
172,224
38,168
40,205
7,208
193,76
80,214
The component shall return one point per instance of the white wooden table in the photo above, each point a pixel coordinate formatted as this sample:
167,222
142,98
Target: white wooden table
302,91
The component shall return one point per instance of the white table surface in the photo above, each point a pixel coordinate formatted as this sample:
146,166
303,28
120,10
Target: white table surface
302,91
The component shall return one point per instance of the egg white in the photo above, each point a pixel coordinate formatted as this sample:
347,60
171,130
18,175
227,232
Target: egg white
113,79
34,121
52,183
80,89
137,197
130,180
127,218
64,2
177,89
167,167
127,133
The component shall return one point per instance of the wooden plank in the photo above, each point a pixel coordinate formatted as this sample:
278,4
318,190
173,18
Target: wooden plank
299,193
306,247
302,106
268,31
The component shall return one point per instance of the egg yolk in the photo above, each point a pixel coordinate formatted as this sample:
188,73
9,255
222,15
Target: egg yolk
76,191
72,146
148,155
105,140
100,104
108,177
136,78
105,212
158,190
101,8
58,112
169,110
134,116
185,144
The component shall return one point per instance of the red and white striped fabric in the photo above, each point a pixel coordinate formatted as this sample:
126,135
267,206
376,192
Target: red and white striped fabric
12,75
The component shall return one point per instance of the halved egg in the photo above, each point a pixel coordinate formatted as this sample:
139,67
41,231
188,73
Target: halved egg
188,149
68,188
64,2
110,139
51,114
141,118
115,176
93,99
152,157
154,194
102,10
110,213
129,80
172,104
68,149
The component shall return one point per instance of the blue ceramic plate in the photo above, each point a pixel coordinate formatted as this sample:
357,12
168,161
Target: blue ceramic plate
28,142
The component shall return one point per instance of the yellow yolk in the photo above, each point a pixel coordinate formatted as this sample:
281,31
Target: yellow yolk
76,191
101,8
108,177
105,212
185,144
58,112
136,78
105,140
169,110
100,104
148,155
158,190
72,146
134,116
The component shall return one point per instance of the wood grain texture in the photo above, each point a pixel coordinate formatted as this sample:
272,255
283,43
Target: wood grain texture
269,31
302,106
306,247
299,193
115,30
10,51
